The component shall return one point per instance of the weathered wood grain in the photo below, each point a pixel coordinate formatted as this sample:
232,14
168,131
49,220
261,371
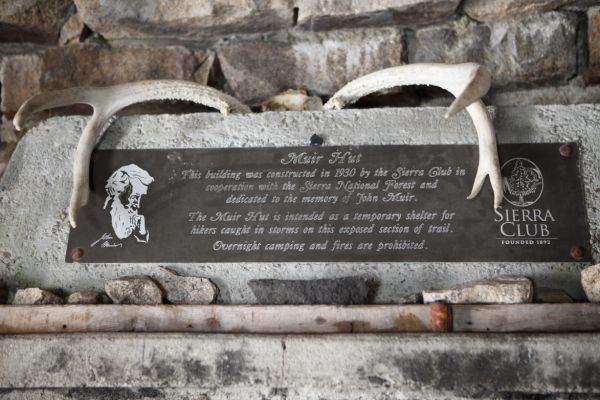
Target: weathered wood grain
567,317
214,318
309,319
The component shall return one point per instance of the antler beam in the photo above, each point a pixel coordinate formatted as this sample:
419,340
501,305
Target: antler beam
467,82
106,101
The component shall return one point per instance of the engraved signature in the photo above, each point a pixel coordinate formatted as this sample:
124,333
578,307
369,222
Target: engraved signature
105,241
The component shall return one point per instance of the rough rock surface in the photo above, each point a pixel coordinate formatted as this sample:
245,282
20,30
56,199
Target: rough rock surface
49,148
413,298
548,295
592,73
346,290
321,63
170,366
500,290
33,20
133,290
24,75
333,14
517,51
36,296
185,19
185,289
71,31
590,280
87,297
490,10
575,92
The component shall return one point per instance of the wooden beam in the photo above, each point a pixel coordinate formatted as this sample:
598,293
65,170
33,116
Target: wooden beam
568,317
214,318
318,319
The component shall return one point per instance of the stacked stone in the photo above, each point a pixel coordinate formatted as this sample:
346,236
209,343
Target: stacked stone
549,49
539,51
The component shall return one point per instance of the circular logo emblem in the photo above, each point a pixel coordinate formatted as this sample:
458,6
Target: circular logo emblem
523,182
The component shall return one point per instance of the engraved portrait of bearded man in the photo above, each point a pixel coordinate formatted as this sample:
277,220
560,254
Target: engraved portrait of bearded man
124,189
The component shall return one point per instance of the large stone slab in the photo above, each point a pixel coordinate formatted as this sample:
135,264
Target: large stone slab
517,51
333,14
188,19
592,73
321,63
33,20
490,10
24,75
35,190
216,366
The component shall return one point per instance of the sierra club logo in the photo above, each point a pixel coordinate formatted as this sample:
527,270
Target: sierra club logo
523,182
523,186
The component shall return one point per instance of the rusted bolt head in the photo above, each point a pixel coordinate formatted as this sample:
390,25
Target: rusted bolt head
577,252
76,253
316,140
566,150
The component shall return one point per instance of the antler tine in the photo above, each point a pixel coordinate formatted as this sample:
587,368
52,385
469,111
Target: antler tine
106,101
467,82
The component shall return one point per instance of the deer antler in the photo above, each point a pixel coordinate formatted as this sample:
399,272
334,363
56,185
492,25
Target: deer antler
467,82
106,101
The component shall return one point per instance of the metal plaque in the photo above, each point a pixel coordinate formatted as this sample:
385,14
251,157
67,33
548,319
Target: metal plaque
365,203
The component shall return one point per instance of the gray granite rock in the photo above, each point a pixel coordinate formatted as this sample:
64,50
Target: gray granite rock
517,51
321,62
490,10
346,290
500,290
334,14
72,31
25,75
548,295
133,290
36,296
33,20
87,297
185,289
592,71
590,280
181,20
413,298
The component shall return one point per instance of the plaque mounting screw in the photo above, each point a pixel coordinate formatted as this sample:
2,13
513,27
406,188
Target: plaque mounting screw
566,150
76,253
577,252
316,140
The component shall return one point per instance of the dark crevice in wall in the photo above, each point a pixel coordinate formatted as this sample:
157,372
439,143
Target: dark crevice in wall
216,78
581,44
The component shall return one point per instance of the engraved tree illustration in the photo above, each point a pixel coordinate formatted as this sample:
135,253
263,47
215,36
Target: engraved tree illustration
522,181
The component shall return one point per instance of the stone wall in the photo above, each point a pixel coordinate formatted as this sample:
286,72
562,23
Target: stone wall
539,51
